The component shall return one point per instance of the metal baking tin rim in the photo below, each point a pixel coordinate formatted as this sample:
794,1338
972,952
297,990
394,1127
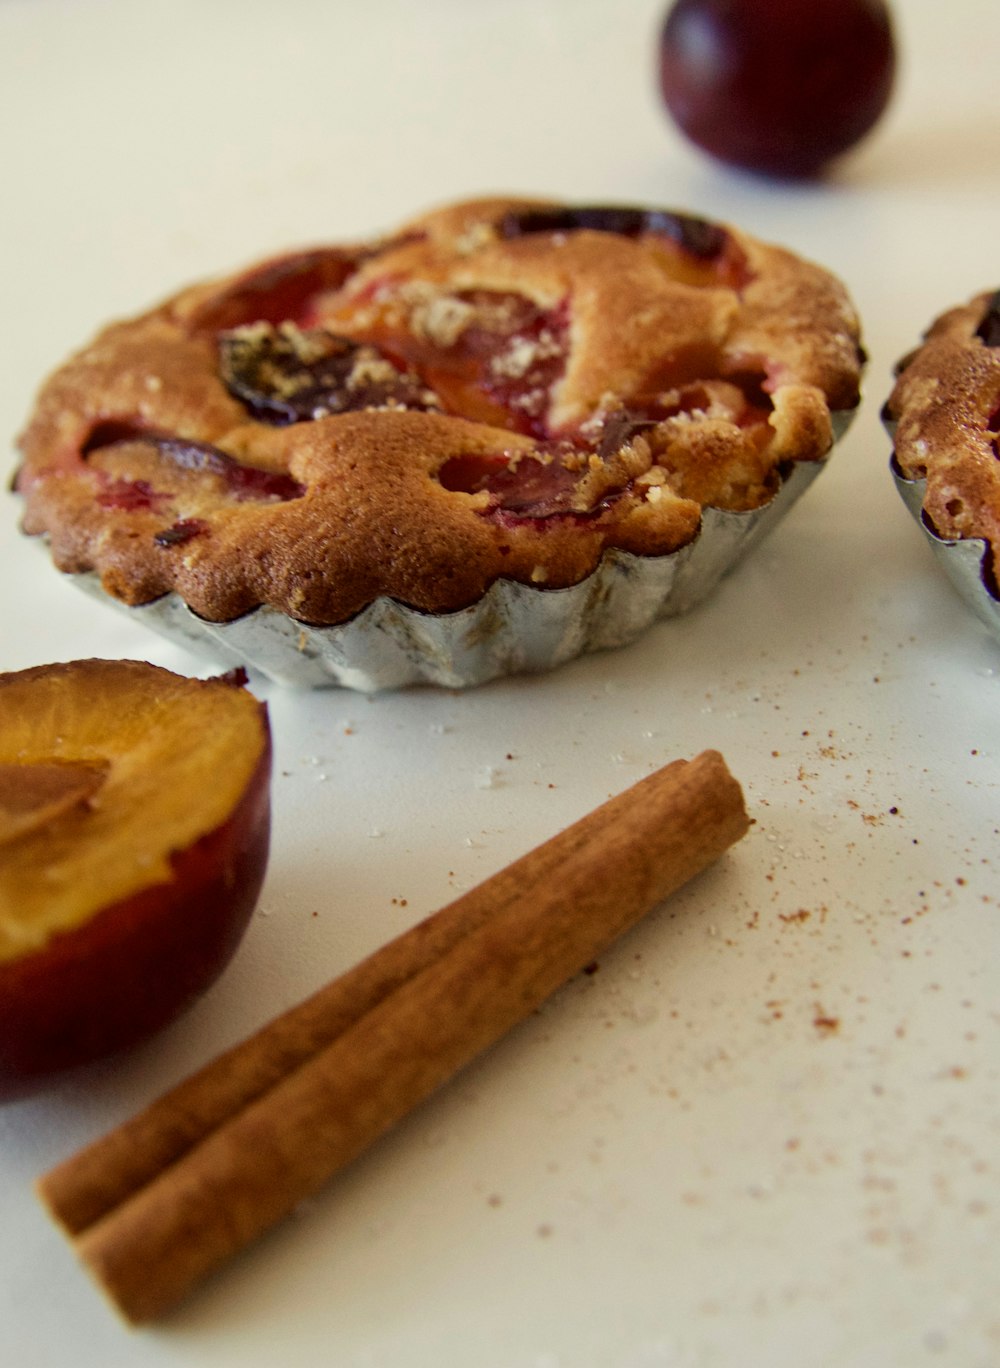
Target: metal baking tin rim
513,629
963,559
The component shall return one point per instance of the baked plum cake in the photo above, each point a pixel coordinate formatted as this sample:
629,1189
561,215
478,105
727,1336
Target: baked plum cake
944,414
502,392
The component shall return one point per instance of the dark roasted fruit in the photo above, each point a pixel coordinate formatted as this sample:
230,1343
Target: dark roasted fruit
167,456
696,235
532,486
285,375
275,292
989,329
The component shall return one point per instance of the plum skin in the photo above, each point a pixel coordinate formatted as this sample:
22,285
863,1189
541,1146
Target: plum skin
139,963
780,87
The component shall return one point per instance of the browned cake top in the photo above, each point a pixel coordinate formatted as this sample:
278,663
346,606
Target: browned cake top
945,407
502,388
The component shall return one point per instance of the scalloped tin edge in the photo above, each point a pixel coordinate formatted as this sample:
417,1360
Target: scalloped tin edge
963,559
513,629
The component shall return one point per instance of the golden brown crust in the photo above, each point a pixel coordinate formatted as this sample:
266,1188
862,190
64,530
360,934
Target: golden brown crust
945,411
510,400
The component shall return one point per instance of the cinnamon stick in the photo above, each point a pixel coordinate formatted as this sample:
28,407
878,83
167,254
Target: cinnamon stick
172,1194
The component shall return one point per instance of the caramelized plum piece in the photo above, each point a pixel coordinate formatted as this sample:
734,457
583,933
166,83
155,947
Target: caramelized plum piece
520,366
532,485
554,479
989,329
277,292
284,375
243,481
139,471
183,530
177,453
614,453
695,250
128,495
492,356
697,236
777,86
619,428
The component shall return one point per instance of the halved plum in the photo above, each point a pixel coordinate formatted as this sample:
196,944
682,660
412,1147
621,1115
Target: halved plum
134,831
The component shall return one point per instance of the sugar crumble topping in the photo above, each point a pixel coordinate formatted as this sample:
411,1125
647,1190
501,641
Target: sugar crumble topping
441,319
523,354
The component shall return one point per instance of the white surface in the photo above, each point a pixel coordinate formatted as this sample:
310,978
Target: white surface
677,1163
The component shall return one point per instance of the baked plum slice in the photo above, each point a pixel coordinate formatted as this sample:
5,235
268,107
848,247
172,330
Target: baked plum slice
183,455
554,479
492,356
506,361
695,249
134,833
287,375
620,451
528,485
700,237
989,327
282,290
173,479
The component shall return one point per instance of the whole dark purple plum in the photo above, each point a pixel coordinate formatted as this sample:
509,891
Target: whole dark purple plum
779,87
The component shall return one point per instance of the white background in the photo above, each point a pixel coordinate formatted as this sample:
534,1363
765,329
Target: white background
677,1163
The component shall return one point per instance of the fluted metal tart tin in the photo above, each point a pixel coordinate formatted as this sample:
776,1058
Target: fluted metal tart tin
964,560
513,629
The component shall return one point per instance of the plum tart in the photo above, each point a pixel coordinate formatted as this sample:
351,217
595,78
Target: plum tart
944,417
509,432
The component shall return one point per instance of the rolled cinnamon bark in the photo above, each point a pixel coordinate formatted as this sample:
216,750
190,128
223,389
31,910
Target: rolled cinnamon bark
171,1195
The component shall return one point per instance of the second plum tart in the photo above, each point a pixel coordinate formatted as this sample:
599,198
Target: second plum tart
944,417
